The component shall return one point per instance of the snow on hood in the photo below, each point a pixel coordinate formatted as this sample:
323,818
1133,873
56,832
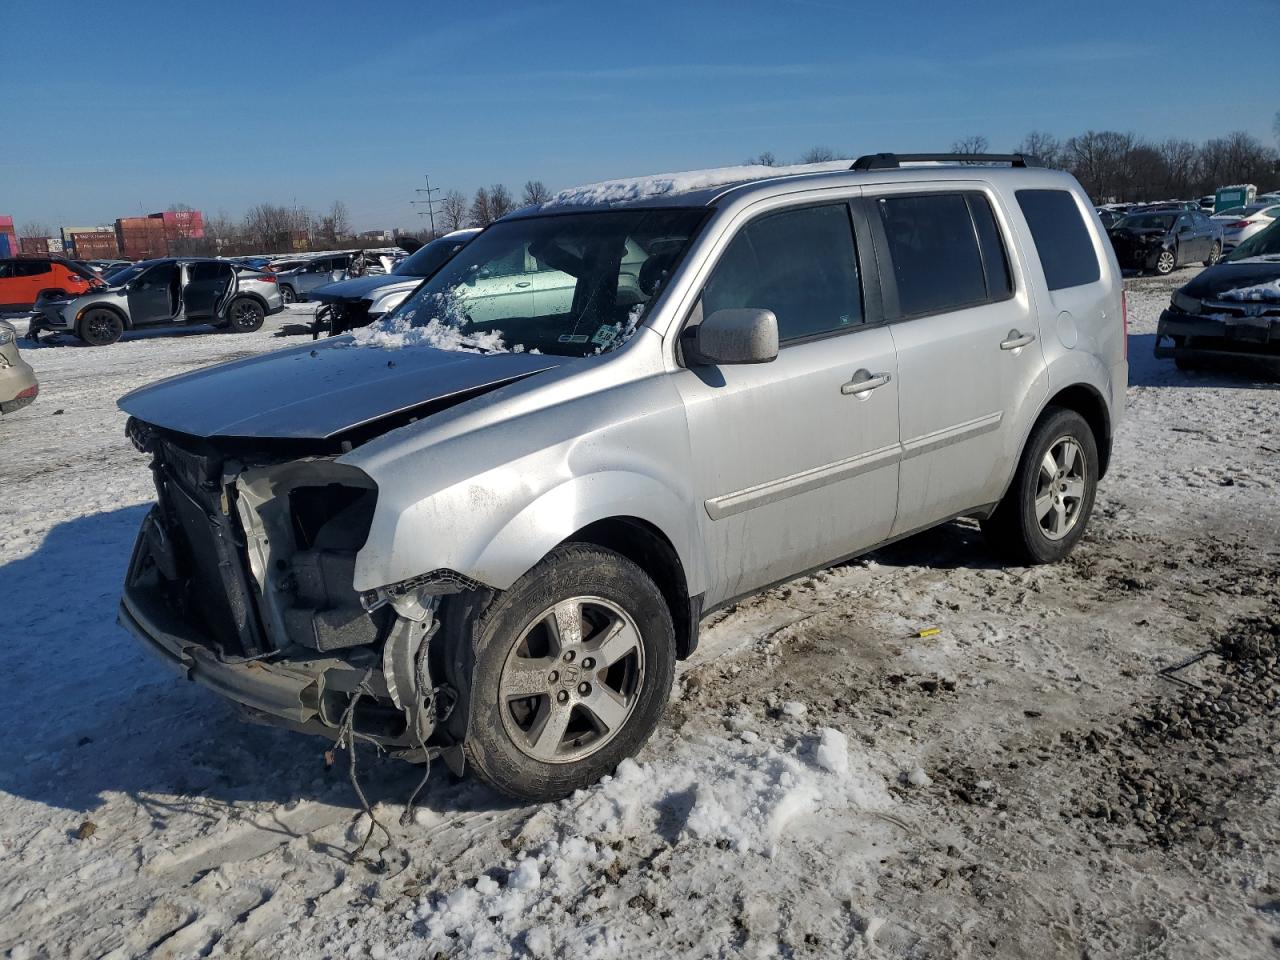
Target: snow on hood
1259,291
664,184
1256,278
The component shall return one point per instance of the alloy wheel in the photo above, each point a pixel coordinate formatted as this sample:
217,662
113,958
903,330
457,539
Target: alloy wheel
1165,262
245,316
1215,254
571,680
1060,488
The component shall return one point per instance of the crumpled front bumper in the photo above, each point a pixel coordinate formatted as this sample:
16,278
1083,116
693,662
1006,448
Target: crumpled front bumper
267,688
1256,337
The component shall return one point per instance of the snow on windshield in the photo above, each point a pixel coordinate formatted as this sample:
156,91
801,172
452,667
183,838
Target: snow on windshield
442,330
664,184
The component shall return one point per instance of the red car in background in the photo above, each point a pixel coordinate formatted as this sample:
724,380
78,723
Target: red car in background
23,279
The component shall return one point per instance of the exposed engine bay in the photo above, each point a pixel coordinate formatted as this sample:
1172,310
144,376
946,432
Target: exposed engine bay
246,566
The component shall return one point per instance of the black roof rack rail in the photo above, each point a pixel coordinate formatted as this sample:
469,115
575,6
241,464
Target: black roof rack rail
891,161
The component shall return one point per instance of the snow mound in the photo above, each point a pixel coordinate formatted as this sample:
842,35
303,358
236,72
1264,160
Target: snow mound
666,184
720,793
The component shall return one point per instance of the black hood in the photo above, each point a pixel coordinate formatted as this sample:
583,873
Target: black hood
319,392
1213,282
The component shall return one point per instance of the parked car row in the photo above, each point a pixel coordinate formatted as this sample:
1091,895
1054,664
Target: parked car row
1163,240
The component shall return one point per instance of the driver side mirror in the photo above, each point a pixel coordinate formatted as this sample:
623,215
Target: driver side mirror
747,335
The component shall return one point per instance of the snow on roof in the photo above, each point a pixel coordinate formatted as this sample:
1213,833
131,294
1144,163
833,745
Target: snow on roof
668,184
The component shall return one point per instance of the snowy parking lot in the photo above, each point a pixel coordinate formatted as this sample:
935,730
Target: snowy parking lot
1025,781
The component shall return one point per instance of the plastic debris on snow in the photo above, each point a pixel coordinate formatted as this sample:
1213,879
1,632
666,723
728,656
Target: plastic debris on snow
1260,291
745,798
664,184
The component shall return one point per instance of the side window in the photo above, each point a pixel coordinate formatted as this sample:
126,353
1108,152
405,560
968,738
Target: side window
207,270
801,264
1062,241
995,259
934,249
31,268
509,263
6,269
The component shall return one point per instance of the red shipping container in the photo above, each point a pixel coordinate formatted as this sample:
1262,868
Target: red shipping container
6,224
95,246
33,246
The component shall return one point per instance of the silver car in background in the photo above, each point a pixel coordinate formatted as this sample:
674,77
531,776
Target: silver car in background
487,526
18,386
166,292
298,281
1241,223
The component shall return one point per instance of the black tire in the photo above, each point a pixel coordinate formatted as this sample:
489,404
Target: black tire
245,315
287,294
1215,254
323,321
1165,263
100,327
1014,530
569,571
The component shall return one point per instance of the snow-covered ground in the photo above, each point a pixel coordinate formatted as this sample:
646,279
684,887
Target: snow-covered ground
1022,783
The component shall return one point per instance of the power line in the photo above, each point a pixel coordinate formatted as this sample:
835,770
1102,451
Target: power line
428,201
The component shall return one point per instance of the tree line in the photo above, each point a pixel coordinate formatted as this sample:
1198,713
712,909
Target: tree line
1124,167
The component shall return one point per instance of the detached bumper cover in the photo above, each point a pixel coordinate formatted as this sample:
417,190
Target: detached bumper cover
1217,334
267,688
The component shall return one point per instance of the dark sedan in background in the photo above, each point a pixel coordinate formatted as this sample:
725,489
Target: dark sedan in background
1163,240
1229,311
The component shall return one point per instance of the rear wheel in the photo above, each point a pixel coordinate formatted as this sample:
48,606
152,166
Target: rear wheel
1215,254
1166,262
245,315
1043,515
100,327
572,668
287,294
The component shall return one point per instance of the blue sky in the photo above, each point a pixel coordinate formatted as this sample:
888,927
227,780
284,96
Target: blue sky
119,108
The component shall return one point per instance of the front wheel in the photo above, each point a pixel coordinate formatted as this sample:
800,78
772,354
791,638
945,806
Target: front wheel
100,327
1043,514
572,669
1215,254
1166,262
245,316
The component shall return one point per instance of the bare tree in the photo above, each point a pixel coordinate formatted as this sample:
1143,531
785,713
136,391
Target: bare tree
1045,147
1181,161
818,155
481,211
766,159
453,211
272,228
500,201
974,144
535,191
334,226
34,228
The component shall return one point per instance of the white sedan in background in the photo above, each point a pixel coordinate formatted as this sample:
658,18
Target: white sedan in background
1241,223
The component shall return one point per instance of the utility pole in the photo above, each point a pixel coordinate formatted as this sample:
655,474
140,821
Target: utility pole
427,201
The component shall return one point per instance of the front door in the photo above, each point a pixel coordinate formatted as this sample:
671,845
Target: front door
153,297
796,464
967,346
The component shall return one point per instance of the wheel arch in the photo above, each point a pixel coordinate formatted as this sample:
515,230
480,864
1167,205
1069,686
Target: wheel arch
1087,401
645,545
245,295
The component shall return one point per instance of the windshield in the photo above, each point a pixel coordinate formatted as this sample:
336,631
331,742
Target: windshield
1147,221
121,277
428,258
573,285
1265,243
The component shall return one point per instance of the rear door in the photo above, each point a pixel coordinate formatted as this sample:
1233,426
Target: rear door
207,285
796,465
966,335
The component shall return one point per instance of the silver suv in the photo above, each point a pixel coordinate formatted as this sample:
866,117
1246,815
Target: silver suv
489,525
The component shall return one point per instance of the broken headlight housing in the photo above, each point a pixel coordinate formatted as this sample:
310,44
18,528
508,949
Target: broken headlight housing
1185,303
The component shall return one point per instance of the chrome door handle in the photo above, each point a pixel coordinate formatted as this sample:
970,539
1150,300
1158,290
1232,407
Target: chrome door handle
523,283
1015,340
868,382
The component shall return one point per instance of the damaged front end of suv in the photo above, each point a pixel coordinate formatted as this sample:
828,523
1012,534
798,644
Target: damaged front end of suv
243,576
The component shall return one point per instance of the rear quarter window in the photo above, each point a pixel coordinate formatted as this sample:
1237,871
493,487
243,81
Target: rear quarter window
1062,240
